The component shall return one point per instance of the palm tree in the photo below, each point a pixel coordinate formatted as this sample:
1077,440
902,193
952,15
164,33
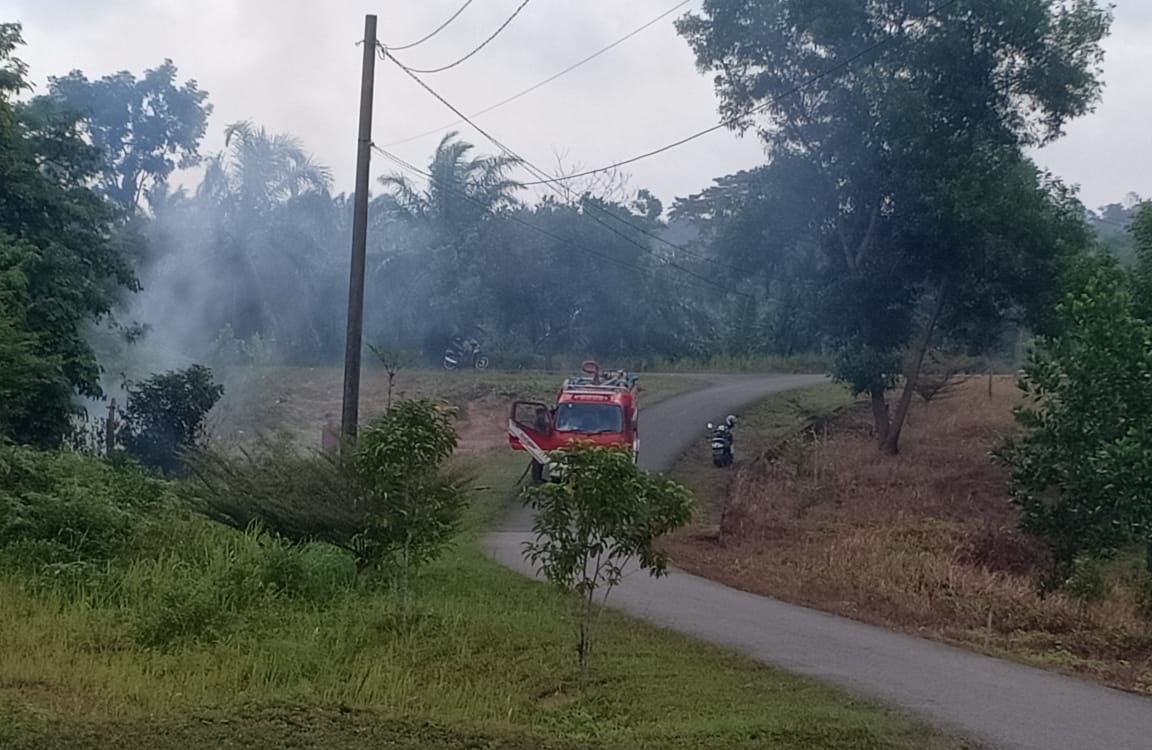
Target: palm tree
262,170
433,280
270,237
461,191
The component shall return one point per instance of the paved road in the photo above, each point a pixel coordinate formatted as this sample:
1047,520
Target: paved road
999,703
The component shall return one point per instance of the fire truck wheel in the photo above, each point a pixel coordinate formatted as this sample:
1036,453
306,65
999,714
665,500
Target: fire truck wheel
537,472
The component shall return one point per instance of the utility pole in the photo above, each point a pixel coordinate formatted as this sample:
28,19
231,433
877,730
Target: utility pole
355,331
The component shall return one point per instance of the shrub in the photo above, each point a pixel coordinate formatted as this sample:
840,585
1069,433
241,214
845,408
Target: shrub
164,416
65,508
390,501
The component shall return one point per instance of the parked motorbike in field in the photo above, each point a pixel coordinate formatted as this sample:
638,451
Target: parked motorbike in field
462,353
722,439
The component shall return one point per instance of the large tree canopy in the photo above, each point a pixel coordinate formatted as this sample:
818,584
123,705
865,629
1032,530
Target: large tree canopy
59,267
145,128
906,122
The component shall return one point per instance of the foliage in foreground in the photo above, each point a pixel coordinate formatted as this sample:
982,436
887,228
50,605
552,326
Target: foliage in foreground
1082,471
389,501
605,513
60,266
63,510
485,657
194,634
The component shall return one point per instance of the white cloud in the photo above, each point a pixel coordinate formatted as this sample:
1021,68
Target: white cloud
293,66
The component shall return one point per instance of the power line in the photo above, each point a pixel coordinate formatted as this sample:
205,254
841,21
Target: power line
540,230
435,31
546,81
483,44
736,118
545,179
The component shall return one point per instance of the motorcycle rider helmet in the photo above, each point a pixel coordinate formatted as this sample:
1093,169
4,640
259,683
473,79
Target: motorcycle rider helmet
731,420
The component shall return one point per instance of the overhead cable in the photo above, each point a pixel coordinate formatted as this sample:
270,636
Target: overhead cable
434,32
482,45
546,81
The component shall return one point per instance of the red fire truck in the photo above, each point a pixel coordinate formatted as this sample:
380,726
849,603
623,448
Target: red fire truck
598,407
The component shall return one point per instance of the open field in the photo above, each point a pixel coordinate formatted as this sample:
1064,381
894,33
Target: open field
924,542
175,650
296,400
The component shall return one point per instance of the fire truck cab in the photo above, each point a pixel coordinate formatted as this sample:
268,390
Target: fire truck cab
594,407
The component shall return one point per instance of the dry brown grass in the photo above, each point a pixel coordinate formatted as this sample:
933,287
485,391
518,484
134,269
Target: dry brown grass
295,401
925,541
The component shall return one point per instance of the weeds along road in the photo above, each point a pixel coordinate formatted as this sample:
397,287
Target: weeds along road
1001,704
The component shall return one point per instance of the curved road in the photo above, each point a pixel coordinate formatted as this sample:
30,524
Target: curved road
999,703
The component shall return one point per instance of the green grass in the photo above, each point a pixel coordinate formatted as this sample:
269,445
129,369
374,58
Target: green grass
486,656
479,658
762,426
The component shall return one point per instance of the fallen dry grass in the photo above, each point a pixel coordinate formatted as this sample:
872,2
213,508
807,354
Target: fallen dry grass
925,541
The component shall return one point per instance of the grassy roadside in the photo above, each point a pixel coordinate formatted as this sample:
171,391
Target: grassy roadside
481,658
761,426
924,542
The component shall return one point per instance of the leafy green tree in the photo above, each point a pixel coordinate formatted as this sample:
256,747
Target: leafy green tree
144,128
28,376
415,506
1082,470
604,514
164,416
60,269
893,149
1140,231
1112,224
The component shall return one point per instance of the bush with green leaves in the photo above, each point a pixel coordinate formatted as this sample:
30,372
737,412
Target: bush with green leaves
65,509
389,500
164,416
1082,469
605,514
412,505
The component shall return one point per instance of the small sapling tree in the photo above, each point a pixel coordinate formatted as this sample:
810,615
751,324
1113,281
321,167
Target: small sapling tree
412,506
1082,469
605,514
393,360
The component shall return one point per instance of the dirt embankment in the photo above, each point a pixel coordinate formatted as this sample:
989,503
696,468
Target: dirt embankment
925,541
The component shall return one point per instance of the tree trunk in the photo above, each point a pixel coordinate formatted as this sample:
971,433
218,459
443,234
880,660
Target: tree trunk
880,413
891,443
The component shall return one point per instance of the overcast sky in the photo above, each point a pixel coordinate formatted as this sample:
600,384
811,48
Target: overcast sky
293,66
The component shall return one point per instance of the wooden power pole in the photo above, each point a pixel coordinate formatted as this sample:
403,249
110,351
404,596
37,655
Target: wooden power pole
355,331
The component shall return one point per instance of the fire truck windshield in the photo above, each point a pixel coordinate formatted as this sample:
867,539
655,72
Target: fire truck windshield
589,419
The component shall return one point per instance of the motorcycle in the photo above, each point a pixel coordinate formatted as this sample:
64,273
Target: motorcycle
464,353
721,440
